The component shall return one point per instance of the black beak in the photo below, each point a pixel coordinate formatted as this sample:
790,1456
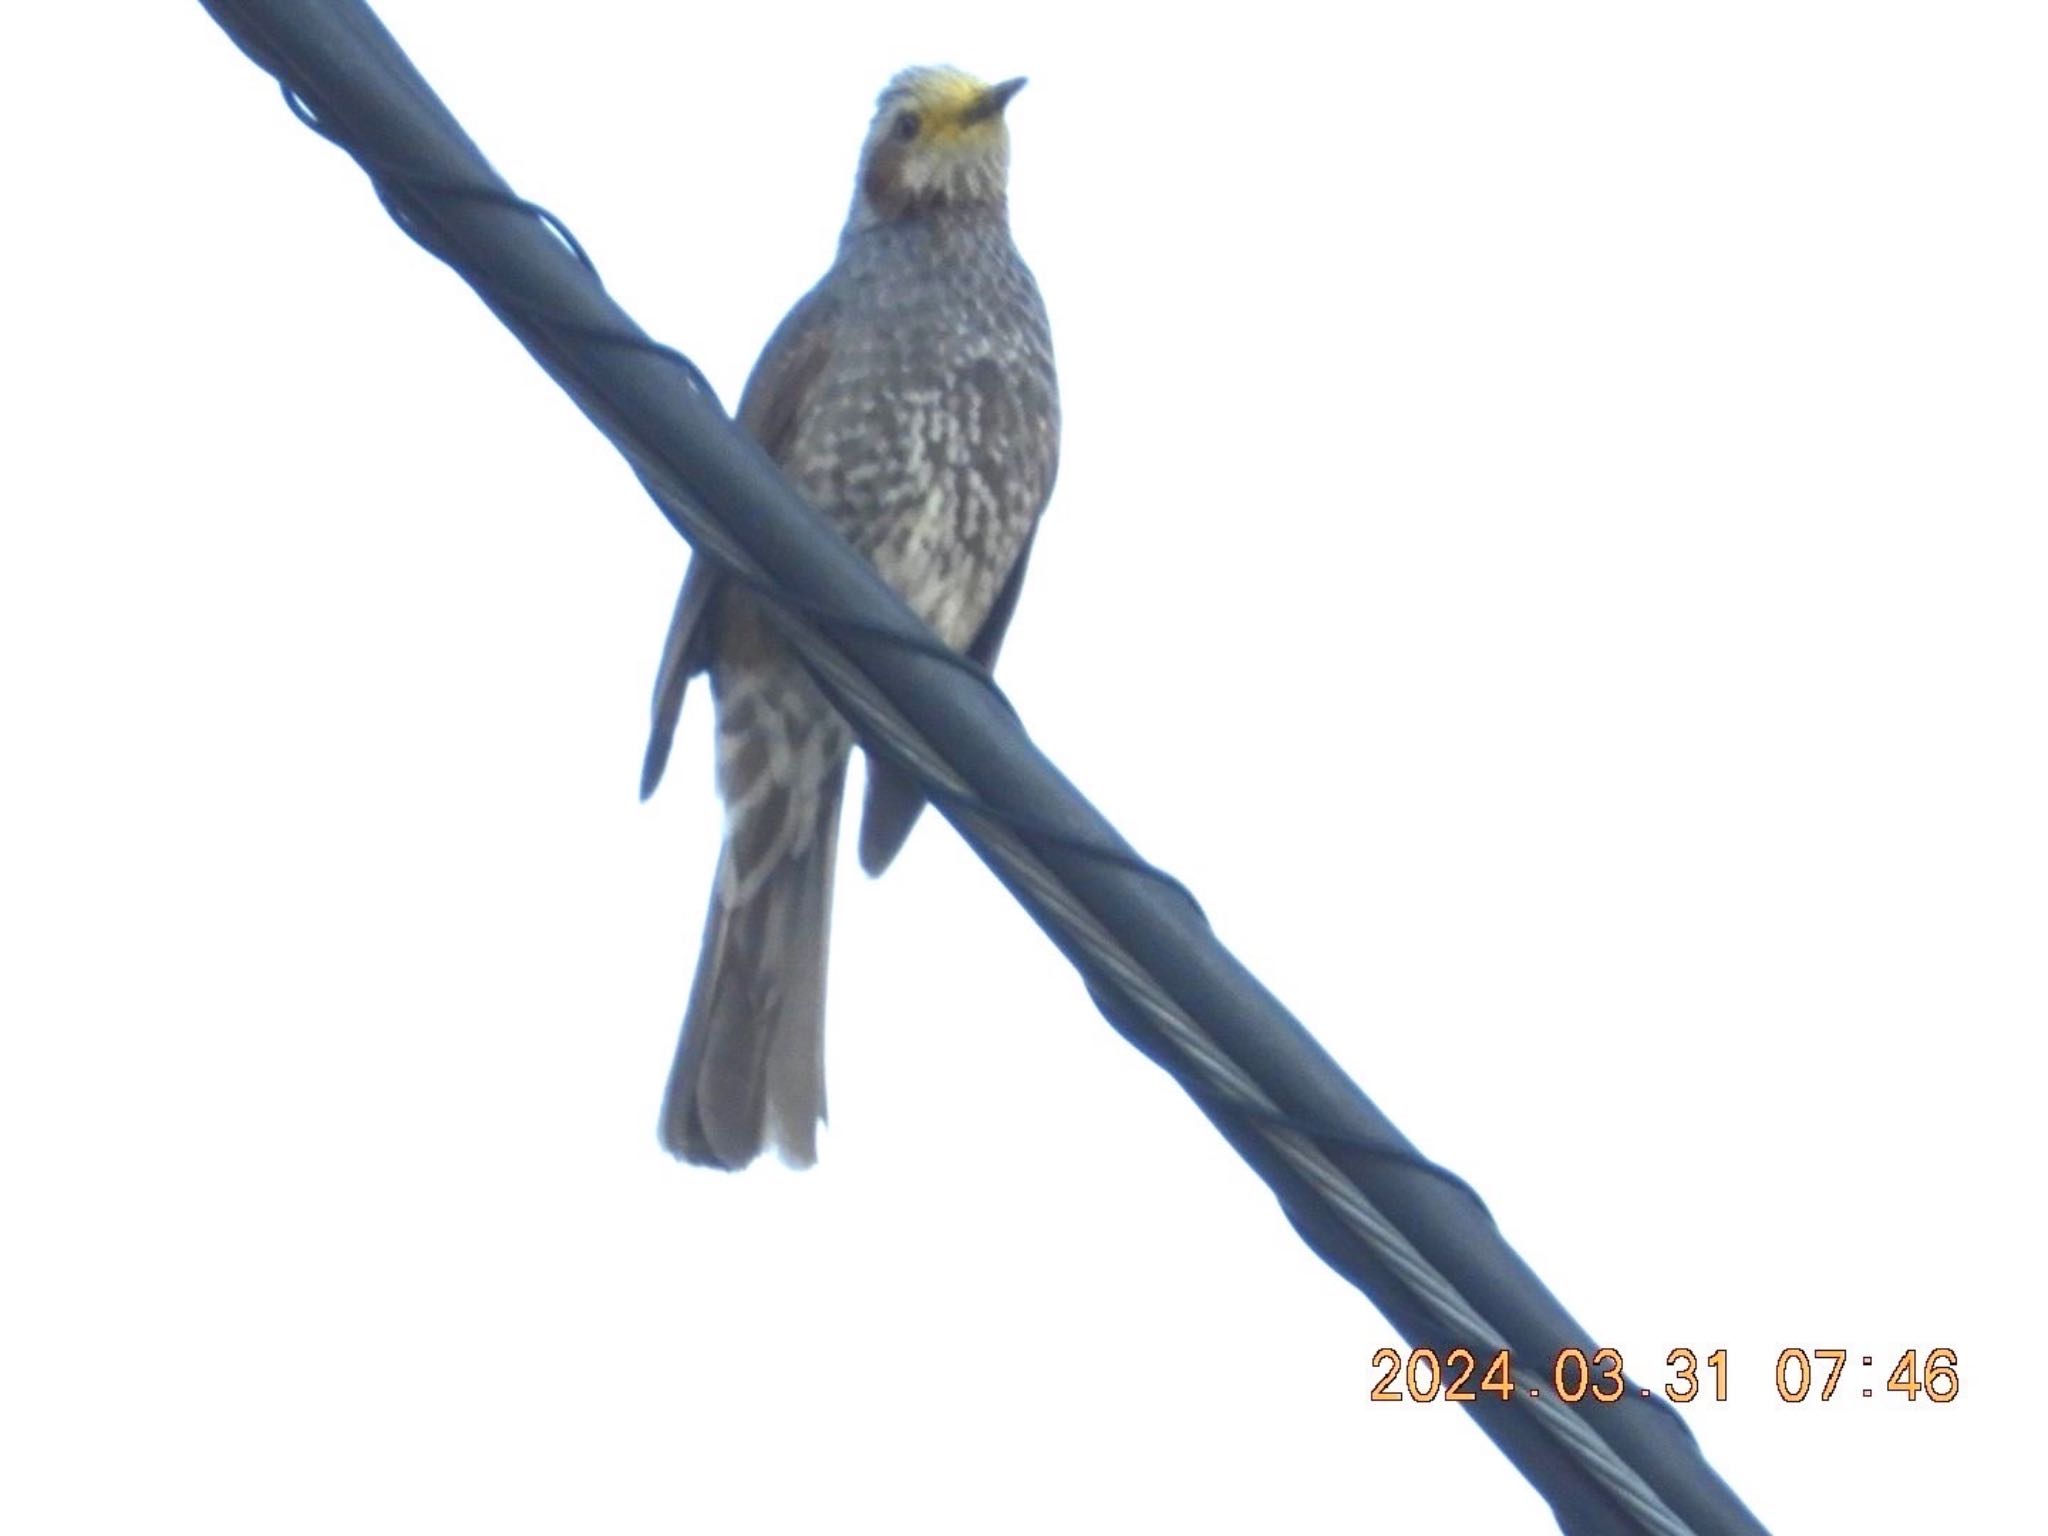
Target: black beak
992,101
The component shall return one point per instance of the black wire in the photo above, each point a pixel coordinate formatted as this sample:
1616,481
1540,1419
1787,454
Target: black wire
388,177
1220,1103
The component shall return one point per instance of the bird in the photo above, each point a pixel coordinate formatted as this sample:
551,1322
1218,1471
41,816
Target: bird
911,397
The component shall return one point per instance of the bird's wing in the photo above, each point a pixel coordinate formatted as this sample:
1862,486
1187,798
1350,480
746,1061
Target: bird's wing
686,653
789,365
769,409
989,639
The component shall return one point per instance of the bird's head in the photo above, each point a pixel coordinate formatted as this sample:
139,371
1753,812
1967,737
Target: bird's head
937,141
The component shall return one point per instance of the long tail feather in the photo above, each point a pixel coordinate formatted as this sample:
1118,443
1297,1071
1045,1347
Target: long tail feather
749,1071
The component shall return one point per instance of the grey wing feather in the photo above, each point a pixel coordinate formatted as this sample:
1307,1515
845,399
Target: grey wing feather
686,653
788,367
988,640
769,407
893,801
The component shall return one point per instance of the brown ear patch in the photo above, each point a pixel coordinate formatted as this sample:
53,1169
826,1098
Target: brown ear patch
882,179
887,188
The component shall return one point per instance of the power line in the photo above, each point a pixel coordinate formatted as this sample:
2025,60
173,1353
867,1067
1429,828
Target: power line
1410,1235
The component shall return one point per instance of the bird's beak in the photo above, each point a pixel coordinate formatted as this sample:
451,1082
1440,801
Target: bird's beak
990,103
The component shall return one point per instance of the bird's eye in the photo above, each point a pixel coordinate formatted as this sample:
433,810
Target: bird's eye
907,125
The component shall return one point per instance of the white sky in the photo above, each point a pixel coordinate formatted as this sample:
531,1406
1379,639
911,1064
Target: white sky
1550,547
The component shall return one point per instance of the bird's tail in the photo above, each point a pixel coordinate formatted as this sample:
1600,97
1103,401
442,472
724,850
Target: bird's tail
749,1072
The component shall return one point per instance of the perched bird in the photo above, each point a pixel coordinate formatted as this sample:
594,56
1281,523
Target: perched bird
910,396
